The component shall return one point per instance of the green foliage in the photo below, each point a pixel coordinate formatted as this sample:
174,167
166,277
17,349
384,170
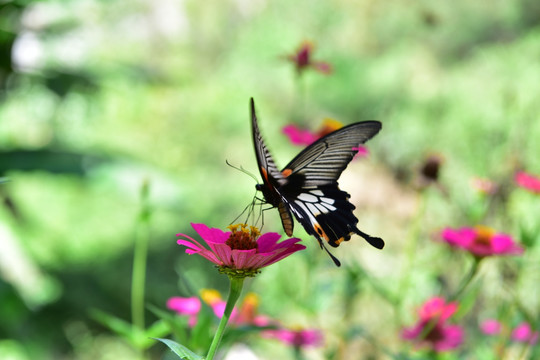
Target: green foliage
180,350
97,98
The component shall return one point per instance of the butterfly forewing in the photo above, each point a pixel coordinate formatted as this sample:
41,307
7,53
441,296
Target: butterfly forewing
322,162
267,166
272,177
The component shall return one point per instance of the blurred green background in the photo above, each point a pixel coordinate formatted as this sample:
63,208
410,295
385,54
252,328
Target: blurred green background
99,97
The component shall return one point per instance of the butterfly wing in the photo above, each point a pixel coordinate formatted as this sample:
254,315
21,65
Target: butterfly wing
311,186
272,177
322,162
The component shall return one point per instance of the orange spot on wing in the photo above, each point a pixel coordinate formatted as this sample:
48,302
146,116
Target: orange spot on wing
286,172
321,232
265,177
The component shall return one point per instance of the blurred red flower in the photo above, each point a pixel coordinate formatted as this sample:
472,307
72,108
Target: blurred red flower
528,181
481,241
302,59
432,329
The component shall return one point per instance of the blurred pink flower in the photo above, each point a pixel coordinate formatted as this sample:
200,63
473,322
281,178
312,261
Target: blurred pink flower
528,181
297,338
481,241
245,314
521,333
299,136
302,59
432,329
491,327
303,137
362,151
185,306
484,186
524,333
241,251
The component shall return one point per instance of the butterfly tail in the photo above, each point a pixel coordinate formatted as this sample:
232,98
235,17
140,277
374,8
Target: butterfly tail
334,259
373,241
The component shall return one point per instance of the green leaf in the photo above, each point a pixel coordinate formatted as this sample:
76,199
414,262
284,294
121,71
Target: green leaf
177,325
180,350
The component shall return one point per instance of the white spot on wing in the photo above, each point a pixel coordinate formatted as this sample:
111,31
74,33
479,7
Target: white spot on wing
302,206
322,208
327,200
307,198
329,207
317,192
313,209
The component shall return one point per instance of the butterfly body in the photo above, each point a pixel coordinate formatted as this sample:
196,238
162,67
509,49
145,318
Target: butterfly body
308,186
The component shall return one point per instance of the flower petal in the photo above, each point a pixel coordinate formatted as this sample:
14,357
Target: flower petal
223,253
242,259
210,234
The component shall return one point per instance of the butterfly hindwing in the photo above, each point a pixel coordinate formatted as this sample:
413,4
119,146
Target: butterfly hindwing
326,213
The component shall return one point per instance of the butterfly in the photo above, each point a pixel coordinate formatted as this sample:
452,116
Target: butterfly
308,186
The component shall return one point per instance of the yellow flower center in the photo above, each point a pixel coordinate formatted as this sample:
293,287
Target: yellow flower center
483,235
242,237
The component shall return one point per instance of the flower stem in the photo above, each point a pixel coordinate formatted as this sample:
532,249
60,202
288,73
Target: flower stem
138,278
235,290
467,279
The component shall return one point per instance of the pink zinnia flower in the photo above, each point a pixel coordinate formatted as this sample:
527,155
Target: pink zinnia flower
297,338
491,327
302,59
528,181
185,306
242,251
523,333
432,329
481,241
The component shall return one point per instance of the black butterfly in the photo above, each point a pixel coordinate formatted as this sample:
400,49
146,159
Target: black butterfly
307,187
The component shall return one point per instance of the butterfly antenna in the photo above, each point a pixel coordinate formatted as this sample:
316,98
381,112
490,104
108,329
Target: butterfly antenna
373,241
242,170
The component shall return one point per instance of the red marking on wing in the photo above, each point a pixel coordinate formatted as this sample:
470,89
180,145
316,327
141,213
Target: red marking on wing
286,172
265,177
